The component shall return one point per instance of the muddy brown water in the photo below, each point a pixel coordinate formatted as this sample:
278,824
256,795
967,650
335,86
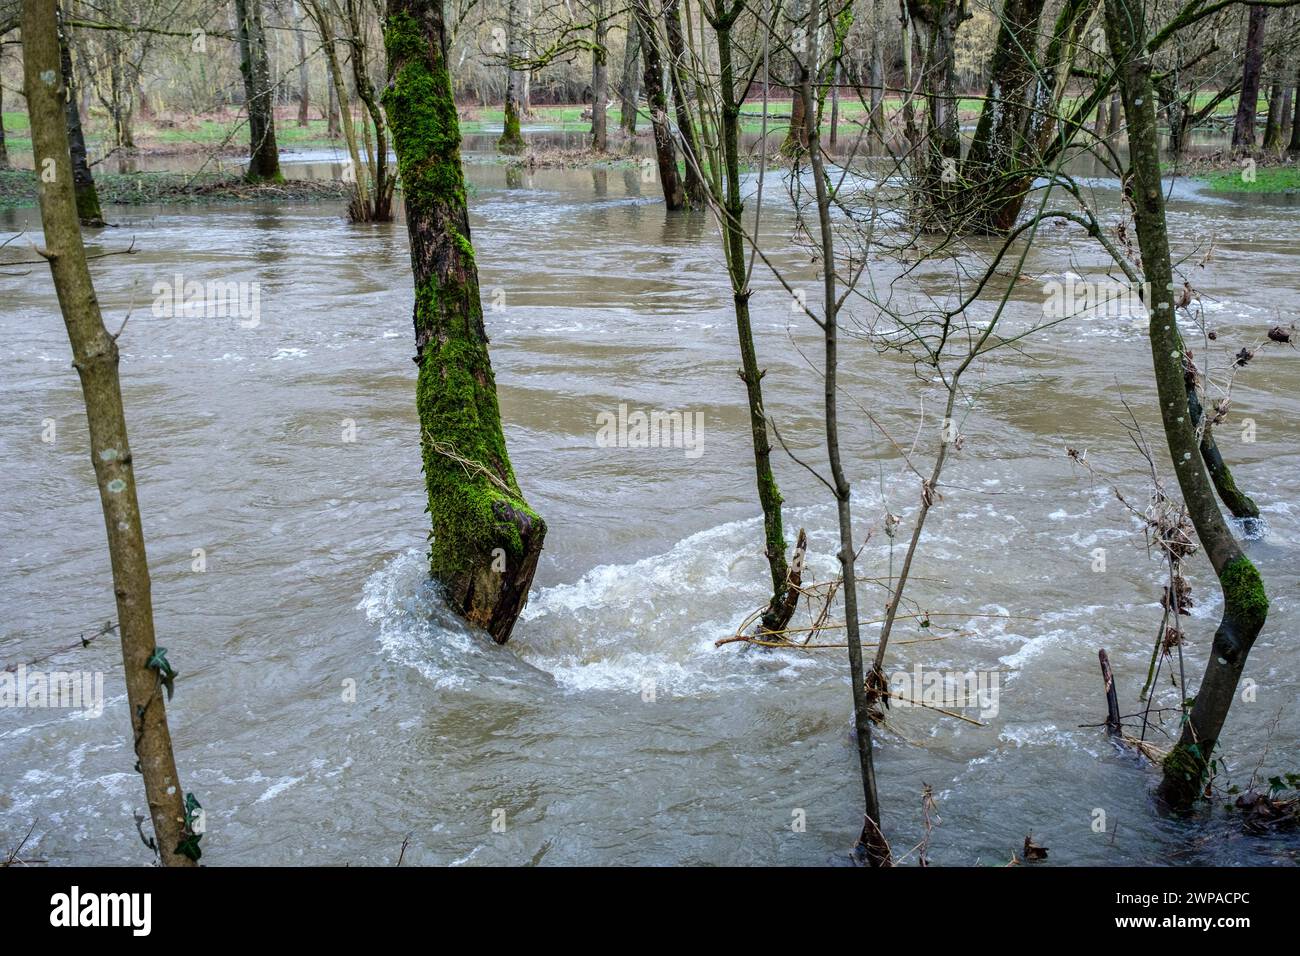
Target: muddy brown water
610,730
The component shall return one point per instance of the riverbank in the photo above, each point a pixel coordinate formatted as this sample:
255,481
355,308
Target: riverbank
1258,175
18,189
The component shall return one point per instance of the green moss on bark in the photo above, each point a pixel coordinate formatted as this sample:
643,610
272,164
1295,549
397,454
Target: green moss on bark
1243,593
485,539
512,137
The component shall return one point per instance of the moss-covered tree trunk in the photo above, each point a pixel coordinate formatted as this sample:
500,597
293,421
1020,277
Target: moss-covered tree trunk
512,138
485,538
264,154
1245,605
796,137
95,357
657,102
83,181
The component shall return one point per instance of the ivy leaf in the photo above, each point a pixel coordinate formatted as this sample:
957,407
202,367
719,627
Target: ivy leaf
166,673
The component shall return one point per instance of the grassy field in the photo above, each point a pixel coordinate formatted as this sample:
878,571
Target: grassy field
213,131
1266,180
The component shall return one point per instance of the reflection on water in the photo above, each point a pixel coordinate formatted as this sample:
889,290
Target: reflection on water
598,297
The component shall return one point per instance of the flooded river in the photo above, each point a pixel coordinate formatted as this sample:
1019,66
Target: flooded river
328,708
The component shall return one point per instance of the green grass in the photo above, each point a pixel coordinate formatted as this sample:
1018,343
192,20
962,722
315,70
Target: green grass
1267,180
18,189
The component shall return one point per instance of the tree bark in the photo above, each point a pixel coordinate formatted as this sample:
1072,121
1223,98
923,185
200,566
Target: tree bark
871,842
304,89
630,89
1245,605
486,539
657,103
95,356
1243,129
599,81
380,208
796,137
696,190
83,181
877,117
1273,125
1293,147
996,153
325,27
1114,723
4,150
512,137
332,112
264,155
778,613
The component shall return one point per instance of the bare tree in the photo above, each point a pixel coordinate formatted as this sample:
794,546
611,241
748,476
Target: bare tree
1245,605
95,356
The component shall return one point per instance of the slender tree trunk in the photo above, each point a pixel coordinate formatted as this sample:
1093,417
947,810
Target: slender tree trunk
4,150
835,105
599,80
1287,92
332,112
304,89
486,540
95,356
1113,120
1293,147
630,89
525,82
1273,125
83,181
878,78
512,138
696,190
796,138
380,208
778,611
325,28
264,155
1245,605
1243,130
657,103
871,842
